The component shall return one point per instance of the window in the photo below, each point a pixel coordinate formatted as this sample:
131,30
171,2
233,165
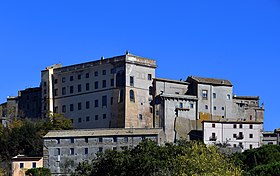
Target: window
71,78
87,75
86,151
240,126
79,106
125,139
104,84
21,165
96,73
71,107
112,82
71,89
96,117
100,139
131,96
112,100
71,151
63,108
56,109
96,85
251,126
79,76
149,77
103,72
104,100
214,95
151,110
181,105
215,108
223,108
204,94
87,86
87,104
45,91
79,120
58,141
96,103
63,90
55,92
251,146
250,135
104,116
191,105
131,81
115,139
63,79
100,149
72,140
206,106
33,164
112,71
79,87
213,125
234,125
114,148
228,96
251,117
55,81
86,140
57,151
140,116
45,84
87,118
234,136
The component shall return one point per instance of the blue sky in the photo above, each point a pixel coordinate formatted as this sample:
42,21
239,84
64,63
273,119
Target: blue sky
236,40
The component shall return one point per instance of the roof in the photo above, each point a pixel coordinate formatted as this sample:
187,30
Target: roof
187,97
171,81
26,158
212,81
231,121
247,97
102,132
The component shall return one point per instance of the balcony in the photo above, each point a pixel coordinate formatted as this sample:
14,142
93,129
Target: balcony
240,137
213,138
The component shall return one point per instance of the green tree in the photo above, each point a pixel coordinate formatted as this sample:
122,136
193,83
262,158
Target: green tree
58,122
38,172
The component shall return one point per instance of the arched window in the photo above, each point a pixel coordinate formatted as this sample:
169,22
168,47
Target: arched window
131,95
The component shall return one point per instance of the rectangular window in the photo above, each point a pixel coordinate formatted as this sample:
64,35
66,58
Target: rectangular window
104,116
55,92
87,118
87,86
103,72
131,81
204,94
228,96
86,151
251,146
86,140
149,77
56,109
215,108
191,105
140,116
115,139
96,103
223,108
79,76
121,96
72,140
71,89
63,90
214,95
213,125
96,117
58,141
71,151
251,126
71,107
33,164
21,165
79,87
234,126
234,135
206,106
181,105
55,81
100,139
112,82
63,108
63,79
87,75
96,73
79,120
79,106
125,139
71,78
57,151
240,126
96,85
104,84
100,149
104,100
87,104
112,99
250,135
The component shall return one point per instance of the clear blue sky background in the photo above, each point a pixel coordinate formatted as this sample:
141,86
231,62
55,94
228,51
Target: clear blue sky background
237,40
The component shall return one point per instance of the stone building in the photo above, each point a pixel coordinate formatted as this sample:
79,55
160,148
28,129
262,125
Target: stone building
243,134
63,150
21,163
271,137
111,92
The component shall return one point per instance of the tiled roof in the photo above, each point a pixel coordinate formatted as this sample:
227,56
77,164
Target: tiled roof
212,81
247,97
171,81
103,132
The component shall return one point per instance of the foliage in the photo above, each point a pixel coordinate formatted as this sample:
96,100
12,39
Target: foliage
260,161
149,159
58,122
38,172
